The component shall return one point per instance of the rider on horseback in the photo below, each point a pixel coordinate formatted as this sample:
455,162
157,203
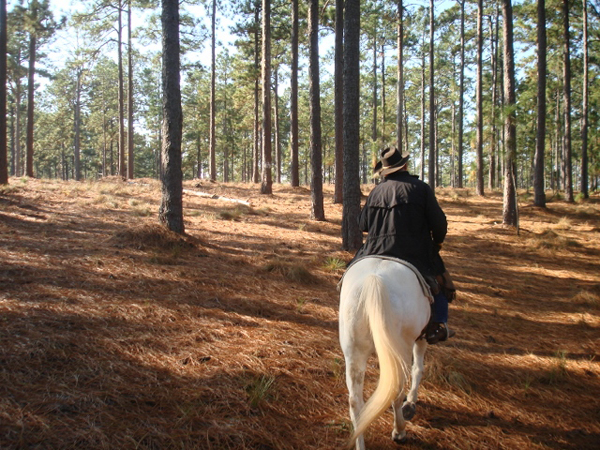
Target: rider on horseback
403,219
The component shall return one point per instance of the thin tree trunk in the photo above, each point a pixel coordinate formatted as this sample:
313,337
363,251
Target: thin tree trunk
277,126
267,181
540,147
104,146
171,208
295,175
585,112
374,135
479,98
351,234
423,109
400,88
17,134
453,146
256,147
213,76
316,152
30,104
461,96
557,144
339,101
493,138
567,103
3,123
432,149
509,212
383,135
121,99
130,135
198,157
77,126
438,178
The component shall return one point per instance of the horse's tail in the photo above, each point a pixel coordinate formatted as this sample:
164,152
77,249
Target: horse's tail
391,351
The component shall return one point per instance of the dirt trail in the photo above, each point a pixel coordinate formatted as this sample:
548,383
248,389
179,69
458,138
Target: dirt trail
117,334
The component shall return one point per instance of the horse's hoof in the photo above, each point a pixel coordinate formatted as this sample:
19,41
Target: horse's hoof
399,438
409,410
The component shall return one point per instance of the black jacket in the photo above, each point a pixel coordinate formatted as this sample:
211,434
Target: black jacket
403,219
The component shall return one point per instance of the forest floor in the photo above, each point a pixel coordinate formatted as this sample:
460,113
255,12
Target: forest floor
115,333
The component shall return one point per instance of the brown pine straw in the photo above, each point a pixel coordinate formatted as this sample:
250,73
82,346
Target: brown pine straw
115,333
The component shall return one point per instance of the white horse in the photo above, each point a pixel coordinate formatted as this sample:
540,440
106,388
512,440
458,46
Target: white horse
384,307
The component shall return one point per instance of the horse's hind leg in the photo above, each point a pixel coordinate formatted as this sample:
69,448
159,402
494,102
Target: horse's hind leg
399,433
419,349
406,407
356,363
409,403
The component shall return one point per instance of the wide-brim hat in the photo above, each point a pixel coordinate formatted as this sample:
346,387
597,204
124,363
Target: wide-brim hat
390,161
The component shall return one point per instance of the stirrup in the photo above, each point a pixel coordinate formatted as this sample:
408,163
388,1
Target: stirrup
441,333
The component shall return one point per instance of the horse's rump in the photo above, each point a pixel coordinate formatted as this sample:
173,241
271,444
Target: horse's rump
383,308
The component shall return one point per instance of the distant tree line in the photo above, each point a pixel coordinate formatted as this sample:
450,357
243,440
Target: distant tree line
271,107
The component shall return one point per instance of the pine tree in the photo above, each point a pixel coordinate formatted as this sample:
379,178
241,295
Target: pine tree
40,25
479,99
509,213
351,235
3,136
267,180
540,148
171,207
316,150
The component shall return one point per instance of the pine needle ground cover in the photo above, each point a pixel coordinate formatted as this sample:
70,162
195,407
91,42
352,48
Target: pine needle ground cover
115,333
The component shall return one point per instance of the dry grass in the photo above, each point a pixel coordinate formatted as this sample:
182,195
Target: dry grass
119,334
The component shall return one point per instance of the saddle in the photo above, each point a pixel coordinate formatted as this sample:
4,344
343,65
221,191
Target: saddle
425,285
442,283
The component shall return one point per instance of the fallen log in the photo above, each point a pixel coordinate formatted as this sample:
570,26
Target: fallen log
216,197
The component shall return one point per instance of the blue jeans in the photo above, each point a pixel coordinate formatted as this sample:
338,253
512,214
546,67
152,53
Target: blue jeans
440,308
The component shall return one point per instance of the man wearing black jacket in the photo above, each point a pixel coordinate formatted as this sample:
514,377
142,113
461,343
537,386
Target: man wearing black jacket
403,219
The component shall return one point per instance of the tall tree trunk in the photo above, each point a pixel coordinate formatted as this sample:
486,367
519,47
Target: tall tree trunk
479,98
295,176
453,146
400,75
383,135
374,134
494,61
130,135
198,157
171,208
121,98
540,145
351,234
438,176
212,148
277,125
30,106
509,211
423,138
3,128
104,146
338,196
256,146
316,152
567,102
461,96
267,181
432,149
557,144
584,112
17,134
77,126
